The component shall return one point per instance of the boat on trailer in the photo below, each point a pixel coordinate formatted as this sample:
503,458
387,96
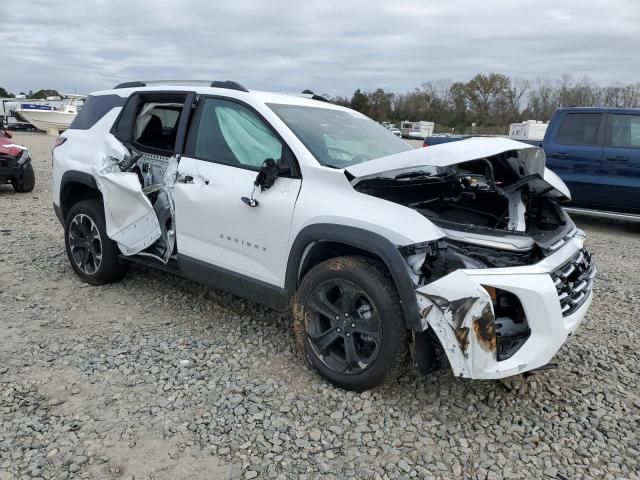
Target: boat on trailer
54,121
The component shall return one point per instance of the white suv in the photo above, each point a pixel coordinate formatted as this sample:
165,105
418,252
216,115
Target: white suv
376,248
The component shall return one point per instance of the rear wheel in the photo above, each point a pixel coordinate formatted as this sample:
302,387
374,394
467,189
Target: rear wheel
349,322
93,255
26,182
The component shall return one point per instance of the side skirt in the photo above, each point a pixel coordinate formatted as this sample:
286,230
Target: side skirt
270,296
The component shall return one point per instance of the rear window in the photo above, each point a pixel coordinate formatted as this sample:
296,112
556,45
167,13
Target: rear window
623,131
94,108
579,129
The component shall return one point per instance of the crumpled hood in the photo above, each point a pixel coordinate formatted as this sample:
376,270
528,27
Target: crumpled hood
530,160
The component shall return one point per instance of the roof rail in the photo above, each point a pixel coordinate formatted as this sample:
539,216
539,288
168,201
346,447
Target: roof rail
205,83
228,84
309,94
130,85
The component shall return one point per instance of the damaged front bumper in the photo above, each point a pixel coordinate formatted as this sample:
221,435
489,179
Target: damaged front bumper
497,322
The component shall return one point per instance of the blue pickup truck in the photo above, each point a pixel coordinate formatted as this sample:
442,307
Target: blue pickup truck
596,151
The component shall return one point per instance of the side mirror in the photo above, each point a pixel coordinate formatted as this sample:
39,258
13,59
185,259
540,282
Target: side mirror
268,173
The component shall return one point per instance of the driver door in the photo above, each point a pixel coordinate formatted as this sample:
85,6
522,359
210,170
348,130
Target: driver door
227,144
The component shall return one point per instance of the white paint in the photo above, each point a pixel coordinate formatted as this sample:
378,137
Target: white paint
215,226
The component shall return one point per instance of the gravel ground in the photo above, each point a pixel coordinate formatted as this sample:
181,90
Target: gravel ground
159,378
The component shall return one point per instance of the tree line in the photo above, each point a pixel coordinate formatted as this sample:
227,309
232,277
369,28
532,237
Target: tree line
492,101
39,95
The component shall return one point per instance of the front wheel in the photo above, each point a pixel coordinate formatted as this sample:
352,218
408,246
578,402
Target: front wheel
26,182
93,255
348,320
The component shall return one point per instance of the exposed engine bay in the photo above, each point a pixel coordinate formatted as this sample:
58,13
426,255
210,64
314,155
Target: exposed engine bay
489,196
497,207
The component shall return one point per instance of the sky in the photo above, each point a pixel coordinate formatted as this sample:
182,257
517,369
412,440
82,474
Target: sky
328,46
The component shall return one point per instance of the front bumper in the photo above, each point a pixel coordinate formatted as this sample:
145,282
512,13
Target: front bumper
13,167
460,310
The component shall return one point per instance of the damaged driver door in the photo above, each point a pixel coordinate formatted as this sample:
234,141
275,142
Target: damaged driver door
228,145
137,170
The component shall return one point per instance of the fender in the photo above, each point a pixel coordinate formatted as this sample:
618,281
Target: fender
73,176
365,240
78,177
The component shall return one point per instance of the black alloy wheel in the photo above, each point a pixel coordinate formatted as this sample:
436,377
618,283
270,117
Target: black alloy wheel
344,329
92,254
349,322
85,244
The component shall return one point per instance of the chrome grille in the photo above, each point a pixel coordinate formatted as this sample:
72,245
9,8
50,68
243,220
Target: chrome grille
573,281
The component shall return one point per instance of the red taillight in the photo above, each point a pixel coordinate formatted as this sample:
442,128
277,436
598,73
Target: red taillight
59,141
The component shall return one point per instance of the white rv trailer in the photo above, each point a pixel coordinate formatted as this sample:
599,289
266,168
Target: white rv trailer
416,130
528,130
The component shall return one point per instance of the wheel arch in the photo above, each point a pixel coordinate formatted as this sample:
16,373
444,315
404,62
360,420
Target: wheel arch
320,242
76,186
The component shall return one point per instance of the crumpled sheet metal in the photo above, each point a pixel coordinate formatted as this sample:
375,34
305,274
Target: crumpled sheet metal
130,218
461,314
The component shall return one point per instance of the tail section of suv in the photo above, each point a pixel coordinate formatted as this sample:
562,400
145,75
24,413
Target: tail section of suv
375,248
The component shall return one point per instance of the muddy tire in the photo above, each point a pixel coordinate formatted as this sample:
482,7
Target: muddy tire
93,255
27,182
349,323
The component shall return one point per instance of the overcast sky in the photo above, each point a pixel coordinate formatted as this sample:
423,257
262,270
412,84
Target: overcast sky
327,46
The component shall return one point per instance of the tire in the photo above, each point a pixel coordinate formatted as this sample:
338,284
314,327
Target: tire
93,255
349,323
27,182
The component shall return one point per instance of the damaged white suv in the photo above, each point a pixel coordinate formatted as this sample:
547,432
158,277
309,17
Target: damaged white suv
376,248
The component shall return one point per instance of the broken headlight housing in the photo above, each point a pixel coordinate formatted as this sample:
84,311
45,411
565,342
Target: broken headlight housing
429,261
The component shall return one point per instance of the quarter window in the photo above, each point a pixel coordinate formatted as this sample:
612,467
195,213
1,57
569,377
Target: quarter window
231,133
579,129
623,131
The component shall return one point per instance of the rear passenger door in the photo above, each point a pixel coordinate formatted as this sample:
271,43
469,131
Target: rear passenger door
620,172
575,154
227,144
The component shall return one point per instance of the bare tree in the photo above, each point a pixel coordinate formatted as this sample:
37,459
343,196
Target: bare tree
492,100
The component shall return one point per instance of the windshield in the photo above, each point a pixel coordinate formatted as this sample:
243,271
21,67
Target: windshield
339,138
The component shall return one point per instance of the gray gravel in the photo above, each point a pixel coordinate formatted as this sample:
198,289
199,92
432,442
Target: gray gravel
159,378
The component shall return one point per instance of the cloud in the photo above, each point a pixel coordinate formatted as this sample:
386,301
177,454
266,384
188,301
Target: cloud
329,47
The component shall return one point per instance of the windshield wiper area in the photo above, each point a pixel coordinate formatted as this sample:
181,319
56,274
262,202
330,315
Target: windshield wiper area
421,174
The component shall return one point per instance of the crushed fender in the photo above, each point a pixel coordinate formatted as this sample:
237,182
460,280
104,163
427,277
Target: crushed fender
453,314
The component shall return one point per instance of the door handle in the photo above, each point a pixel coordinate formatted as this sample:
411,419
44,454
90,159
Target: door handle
189,179
560,155
184,179
617,158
